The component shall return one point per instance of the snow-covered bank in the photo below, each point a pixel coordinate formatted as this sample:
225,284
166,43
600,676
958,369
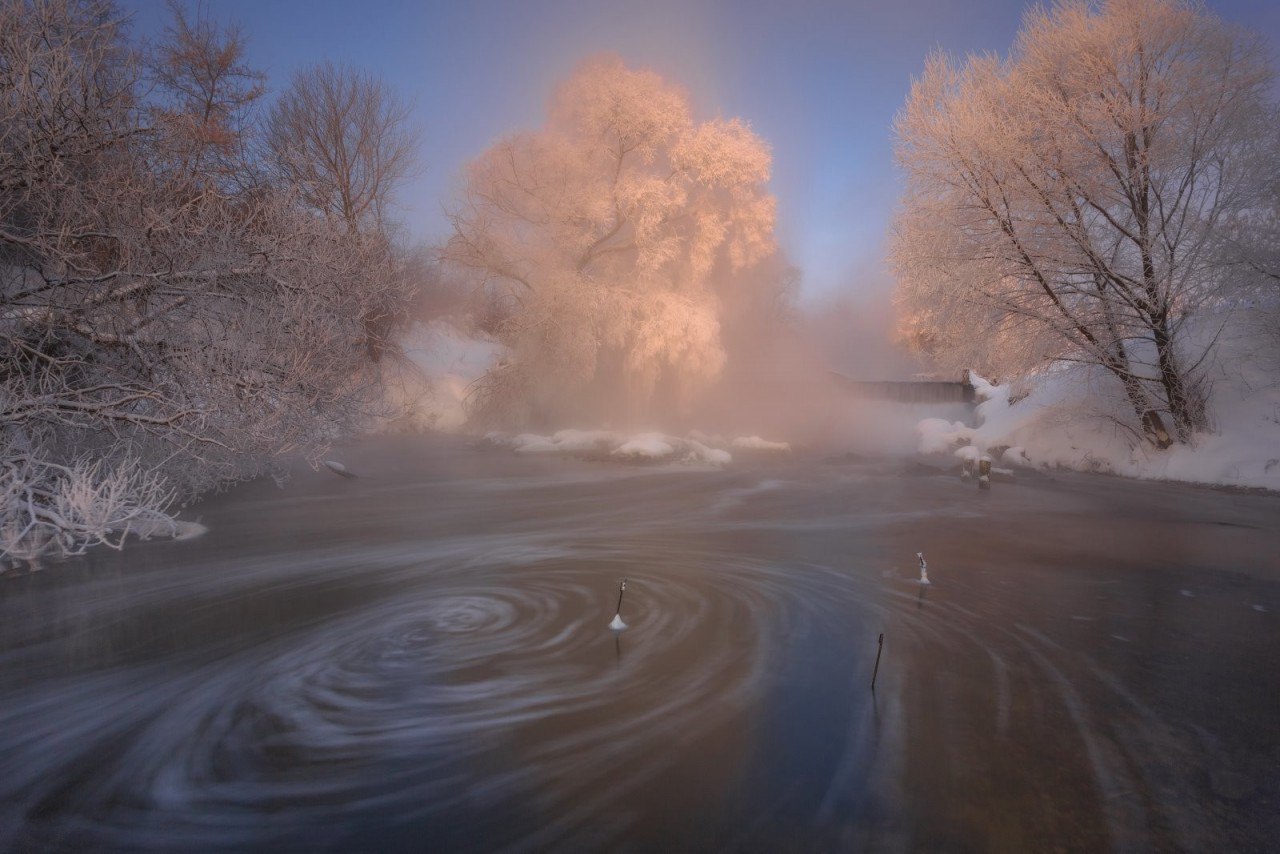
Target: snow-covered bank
1057,423
755,443
447,361
637,447
696,448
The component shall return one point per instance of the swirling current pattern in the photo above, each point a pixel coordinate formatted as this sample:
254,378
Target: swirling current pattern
400,709
452,685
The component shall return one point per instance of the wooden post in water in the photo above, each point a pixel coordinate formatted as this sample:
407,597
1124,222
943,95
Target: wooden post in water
876,671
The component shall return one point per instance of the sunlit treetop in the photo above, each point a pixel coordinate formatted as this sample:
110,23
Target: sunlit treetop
627,214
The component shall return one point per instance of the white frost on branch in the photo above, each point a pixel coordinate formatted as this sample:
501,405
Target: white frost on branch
45,507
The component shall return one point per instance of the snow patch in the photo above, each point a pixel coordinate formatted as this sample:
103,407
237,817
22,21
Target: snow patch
755,443
531,443
583,440
937,435
652,445
173,529
636,447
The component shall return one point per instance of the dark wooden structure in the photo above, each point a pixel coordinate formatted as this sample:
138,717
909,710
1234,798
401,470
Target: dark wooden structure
909,391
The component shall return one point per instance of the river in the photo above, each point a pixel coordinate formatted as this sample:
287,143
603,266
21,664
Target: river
419,659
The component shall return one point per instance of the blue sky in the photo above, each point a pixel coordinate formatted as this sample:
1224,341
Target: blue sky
820,81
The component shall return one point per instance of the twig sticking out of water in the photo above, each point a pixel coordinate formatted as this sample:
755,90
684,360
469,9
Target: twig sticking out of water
876,671
617,625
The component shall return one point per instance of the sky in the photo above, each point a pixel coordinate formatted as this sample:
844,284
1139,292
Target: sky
820,81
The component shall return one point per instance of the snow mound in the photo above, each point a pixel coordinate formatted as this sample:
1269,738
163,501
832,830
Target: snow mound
531,443
188,530
583,440
653,445
755,443
1061,424
638,447
696,451
174,529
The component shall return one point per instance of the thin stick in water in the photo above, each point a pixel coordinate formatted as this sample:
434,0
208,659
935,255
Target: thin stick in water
618,625
876,672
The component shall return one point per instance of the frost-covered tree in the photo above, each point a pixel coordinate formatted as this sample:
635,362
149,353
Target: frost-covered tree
1072,201
341,138
610,233
1256,255
165,327
206,93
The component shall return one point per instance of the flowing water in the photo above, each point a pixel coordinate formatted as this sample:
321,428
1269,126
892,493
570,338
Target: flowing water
419,659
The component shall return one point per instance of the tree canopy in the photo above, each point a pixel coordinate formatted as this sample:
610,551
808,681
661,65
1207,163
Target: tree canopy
615,233
1074,201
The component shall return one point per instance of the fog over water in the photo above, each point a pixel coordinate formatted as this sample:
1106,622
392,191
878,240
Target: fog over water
419,657
639,262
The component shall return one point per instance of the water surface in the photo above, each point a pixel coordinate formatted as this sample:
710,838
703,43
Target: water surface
419,659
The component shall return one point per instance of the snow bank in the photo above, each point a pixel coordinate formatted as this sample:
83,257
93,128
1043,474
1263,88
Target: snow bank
1062,422
755,443
938,435
652,445
636,447
176,529
445,361
583,440
531,443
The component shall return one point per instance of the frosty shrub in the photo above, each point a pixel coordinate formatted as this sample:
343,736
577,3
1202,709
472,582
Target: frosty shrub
66,509
175,313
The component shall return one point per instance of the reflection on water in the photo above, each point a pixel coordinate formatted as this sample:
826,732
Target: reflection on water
420,659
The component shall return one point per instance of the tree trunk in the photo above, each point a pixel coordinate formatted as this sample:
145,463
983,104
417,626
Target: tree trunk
1186,405
1152,424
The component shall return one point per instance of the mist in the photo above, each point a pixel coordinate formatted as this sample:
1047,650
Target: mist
628,255
621,426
